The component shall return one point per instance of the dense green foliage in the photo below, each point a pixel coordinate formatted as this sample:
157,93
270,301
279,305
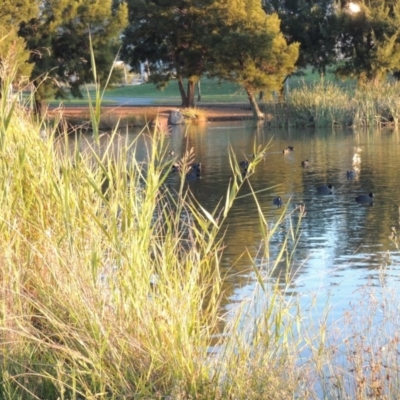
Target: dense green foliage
251,50
361,41
313,24
170,37
13,52
369,41
60,39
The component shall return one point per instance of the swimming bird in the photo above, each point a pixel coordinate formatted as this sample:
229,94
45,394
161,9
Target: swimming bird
244,164
291,148
278,201
194,172
350,174
364,198
325,189
196,169
305,163
196,166
285,151
176,167
190,176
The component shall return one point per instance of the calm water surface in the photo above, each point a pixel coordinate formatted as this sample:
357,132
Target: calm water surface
343,245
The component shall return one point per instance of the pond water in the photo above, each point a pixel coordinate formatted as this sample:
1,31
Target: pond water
343,245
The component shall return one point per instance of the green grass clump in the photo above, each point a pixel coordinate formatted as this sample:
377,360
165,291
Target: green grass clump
321,104
325,104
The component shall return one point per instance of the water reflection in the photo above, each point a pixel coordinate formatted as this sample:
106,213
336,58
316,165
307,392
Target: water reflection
342,243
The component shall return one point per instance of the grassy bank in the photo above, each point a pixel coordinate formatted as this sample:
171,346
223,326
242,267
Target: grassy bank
110,281
110,285
328,104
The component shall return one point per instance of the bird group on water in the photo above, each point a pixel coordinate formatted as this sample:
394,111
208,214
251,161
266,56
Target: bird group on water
329,189
322,190
194,173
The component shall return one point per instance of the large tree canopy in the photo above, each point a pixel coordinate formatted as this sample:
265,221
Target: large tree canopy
185,39
251,50
369,42
361,42
169,35
13,12
14,56
313,24
60,45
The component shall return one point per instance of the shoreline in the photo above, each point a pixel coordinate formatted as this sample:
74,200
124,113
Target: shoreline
209,112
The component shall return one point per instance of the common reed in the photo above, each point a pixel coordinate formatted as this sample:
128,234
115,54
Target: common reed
111,284
332,105
110,281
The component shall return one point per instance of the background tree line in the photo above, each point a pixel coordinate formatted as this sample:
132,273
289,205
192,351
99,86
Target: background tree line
252,42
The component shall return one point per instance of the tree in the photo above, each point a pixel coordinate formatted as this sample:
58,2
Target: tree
169,36
13,53
313,24
14,57
251,50
60,45
13,12
370,40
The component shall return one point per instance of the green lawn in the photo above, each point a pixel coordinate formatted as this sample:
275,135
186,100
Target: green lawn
308,77
212,91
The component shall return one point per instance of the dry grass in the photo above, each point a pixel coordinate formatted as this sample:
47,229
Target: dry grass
328,104
110,285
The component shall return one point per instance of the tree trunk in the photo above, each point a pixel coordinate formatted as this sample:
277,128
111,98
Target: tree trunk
254,106
38,102
198,91
38,107
182,92
190,92
284,91
287,87
187,97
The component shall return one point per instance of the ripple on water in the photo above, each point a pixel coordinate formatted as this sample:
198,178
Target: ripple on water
341,241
